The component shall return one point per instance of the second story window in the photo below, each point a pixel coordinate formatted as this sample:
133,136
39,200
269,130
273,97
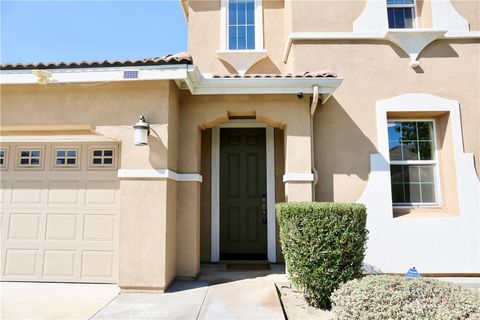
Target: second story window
241,24
401,14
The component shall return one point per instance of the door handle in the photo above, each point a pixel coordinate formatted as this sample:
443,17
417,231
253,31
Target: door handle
264,209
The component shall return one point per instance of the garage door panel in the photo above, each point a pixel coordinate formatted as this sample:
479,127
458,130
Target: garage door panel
4,190
97,264
64,192
101,192
59,225
27,192
59,263
24,226
21,262
100,227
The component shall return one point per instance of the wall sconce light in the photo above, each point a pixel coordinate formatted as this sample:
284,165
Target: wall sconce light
142,131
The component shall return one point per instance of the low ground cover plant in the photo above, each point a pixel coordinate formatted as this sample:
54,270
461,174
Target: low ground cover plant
396,297
323,245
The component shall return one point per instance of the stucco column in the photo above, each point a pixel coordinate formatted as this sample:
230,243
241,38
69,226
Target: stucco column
298,176
188,202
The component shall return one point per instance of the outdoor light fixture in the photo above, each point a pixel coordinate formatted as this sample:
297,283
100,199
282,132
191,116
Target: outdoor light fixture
142,131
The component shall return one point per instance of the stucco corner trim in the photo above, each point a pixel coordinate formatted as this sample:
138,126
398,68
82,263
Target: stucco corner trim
158,174
298,177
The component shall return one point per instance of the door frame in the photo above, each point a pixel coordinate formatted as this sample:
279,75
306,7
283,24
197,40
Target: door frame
215,191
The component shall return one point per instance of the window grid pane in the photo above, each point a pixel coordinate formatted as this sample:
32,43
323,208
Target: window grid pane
66,157
102,157
412,184
30,158
241,25
3,154
400,14
411,140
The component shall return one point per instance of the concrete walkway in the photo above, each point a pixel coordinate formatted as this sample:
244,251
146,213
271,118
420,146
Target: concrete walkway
217,294
36,300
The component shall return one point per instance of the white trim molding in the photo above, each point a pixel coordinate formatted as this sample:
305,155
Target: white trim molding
432,244
372,24
224,25
187,77
420,38
298,177
56,138
215,191
155,174
241,60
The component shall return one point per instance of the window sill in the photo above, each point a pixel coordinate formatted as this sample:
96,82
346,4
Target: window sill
428,212
241,60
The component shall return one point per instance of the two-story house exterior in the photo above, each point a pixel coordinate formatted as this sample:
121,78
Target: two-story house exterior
251,116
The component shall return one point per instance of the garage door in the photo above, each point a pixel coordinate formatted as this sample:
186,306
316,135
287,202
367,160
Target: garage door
59,212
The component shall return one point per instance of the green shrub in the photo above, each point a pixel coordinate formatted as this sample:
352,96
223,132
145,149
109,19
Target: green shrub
323,245
396,297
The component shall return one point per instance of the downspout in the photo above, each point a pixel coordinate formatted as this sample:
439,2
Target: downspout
313,107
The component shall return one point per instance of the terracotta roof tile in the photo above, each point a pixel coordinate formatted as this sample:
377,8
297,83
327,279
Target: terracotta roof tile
179,58
317,74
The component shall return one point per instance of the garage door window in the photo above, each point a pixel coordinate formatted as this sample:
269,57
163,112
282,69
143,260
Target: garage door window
30,158
66,158
103,157
3,158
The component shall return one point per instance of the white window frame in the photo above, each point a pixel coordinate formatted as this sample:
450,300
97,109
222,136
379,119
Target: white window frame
414,14
65,166
435,162
258,27
93,166
6,154
18,153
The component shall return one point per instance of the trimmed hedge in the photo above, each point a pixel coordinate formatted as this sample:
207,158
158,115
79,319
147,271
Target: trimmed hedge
323,245
396,297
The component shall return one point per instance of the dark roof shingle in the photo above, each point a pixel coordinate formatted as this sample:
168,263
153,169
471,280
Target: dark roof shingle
316,74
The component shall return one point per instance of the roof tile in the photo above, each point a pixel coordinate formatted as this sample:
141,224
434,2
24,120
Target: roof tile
179,58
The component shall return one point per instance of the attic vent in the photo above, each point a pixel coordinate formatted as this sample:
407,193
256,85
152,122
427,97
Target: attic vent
131,74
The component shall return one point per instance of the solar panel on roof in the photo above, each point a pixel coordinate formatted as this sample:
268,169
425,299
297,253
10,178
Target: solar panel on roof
130,74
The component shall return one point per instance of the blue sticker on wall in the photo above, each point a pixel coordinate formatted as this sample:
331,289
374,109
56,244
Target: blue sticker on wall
412,273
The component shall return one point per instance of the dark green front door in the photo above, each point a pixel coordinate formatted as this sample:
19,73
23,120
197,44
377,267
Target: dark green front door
243,223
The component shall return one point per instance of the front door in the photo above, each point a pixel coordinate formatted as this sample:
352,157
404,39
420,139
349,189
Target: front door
243,214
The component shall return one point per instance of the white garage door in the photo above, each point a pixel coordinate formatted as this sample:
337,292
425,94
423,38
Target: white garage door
59,212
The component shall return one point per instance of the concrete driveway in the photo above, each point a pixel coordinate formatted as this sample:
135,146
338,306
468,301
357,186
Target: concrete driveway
35,300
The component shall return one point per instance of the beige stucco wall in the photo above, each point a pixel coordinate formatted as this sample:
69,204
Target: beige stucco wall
345,127
148,207
283,17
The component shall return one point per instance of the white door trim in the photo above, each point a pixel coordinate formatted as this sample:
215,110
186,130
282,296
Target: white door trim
215,196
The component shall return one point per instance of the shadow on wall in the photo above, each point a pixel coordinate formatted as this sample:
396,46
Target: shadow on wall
204,5
342,154
264,66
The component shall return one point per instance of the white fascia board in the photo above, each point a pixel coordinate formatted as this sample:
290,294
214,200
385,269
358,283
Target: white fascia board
266,85
79,75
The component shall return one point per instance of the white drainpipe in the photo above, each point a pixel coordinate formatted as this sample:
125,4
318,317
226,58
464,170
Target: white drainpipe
313,107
